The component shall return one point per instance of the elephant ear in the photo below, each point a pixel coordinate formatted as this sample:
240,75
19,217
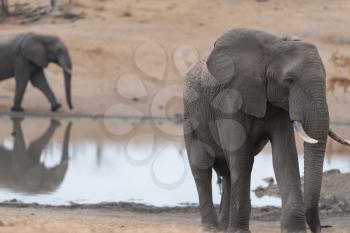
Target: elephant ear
221,65
237,62
33,49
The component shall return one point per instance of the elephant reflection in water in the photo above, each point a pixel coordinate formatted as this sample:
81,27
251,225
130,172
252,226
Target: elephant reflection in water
21,169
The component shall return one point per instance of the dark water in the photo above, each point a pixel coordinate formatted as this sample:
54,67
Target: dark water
83,161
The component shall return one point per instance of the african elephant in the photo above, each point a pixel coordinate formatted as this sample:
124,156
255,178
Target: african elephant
21,169
252,89
25,56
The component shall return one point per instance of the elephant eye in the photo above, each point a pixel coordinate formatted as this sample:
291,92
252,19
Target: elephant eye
291,78
290,81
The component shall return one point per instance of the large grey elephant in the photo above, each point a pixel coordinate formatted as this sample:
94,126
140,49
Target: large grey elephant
25,56
251,90
21,169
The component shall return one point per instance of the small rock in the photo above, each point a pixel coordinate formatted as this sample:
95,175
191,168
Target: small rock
259,191
269,180
332,171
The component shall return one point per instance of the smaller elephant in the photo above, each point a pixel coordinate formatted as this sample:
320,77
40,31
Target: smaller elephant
25,57
21,169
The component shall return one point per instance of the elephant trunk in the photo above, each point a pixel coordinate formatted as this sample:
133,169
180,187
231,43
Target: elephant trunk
308,108
65,146
313,169
68,87
65,62
316,123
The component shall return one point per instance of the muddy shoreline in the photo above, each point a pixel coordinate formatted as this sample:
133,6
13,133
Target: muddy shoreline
335,192
102,117
79,116
266,213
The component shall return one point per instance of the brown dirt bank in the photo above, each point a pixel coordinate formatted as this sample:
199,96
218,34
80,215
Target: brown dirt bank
103,46
124,217
335,192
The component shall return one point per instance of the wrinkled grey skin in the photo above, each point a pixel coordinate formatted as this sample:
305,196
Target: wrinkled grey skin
245,94
21,169
25,57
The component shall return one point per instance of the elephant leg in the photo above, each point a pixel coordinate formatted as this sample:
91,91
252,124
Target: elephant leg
202,179
201,163
21,77
224,209
38,80
240,165
232,137
19,148
36,147
285,164
19,142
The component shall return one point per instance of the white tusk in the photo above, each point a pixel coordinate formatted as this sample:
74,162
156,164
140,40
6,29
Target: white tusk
337,138
301,132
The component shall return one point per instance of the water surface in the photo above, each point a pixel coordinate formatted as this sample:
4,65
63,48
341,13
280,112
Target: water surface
84,161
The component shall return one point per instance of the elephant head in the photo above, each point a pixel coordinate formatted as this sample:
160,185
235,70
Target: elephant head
43,49
284,72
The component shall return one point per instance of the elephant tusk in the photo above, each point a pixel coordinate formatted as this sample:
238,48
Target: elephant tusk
337,138
301,132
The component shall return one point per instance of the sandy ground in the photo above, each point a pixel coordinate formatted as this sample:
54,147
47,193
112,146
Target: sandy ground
107,220
32,220
126,62
127,52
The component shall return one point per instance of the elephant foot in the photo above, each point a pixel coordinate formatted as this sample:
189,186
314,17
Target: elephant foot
238,231
235,230
55,107
211,229
313,220
287,231
223,223
17,109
